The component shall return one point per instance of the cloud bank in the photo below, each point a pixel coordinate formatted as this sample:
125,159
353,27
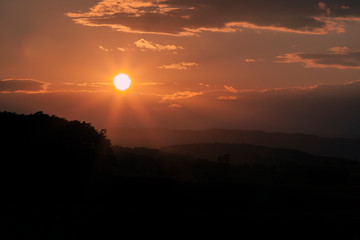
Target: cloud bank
189,17
22,86
321,109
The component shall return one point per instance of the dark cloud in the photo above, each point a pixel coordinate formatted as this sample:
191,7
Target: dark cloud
22,85
185,17
320,109
337,57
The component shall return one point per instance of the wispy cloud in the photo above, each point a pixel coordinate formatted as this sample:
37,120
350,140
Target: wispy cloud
88,84
179,66
336,57
339,50
111,49
324,7
204,84
174,105
226,97
249,60
231,89
150,83
180,95
103,48
147,45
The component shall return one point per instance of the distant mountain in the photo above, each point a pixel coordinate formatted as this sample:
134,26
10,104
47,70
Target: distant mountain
239,154
160,137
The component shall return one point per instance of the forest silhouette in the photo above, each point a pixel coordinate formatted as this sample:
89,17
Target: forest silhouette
63,179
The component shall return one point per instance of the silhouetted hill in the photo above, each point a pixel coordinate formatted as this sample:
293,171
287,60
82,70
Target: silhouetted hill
159,137
45,154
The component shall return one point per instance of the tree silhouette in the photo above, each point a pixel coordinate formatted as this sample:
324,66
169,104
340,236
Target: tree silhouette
48,153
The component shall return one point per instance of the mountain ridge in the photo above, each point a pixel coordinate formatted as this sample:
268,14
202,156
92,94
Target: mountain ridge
162,137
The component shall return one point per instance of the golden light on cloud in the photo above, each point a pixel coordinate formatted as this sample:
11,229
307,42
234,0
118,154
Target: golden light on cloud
122,81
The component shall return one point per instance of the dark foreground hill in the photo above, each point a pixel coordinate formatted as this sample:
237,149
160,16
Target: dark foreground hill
62,179
46,154
160,137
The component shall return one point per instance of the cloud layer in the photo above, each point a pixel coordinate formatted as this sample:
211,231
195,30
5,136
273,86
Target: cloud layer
189,17
322,109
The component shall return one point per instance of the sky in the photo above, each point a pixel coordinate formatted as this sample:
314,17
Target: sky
287,66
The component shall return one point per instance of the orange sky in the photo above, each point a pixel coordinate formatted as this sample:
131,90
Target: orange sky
271,65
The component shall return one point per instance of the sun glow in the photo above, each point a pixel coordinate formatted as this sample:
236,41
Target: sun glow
122,81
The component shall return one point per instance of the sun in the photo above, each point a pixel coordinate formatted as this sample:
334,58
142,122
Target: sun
122,81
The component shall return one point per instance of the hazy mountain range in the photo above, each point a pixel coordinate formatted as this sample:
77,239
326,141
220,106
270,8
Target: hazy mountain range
161,137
